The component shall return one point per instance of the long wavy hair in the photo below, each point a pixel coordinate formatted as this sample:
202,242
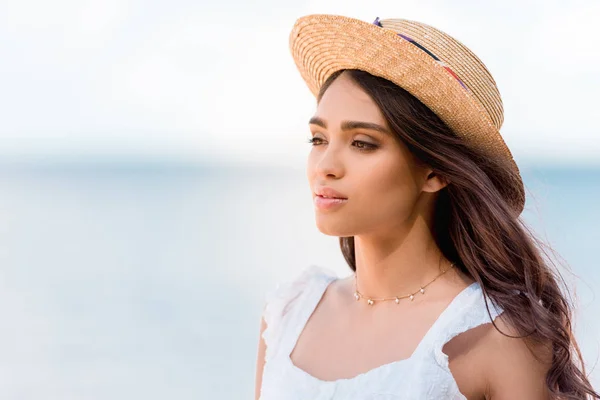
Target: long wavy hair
477,228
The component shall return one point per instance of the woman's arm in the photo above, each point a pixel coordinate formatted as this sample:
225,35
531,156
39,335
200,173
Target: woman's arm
512,370
488,365
260,360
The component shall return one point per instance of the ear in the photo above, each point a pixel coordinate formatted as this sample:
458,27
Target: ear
433,182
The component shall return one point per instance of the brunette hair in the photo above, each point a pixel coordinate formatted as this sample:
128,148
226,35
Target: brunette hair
477,227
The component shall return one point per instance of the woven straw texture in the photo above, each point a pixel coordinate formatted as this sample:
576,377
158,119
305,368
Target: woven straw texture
323,44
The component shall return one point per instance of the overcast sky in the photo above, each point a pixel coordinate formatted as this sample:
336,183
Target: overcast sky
198,79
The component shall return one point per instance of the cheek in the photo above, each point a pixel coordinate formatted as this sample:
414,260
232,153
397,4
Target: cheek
388,190
310,169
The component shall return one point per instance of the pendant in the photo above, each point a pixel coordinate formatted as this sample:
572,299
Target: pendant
422,290
411,297
370,302
356,296
397,300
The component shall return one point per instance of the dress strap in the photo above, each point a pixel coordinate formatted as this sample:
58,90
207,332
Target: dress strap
468,313
286,304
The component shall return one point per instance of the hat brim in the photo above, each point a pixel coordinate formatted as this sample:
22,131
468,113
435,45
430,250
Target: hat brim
323,44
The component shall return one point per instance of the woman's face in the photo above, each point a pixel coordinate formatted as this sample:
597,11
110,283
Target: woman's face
373,170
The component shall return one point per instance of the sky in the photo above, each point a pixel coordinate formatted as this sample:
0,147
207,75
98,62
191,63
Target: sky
199,80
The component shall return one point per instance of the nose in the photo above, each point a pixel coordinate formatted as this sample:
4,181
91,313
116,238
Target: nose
329,162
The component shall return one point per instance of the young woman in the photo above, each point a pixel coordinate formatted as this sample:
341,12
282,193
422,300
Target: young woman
450,295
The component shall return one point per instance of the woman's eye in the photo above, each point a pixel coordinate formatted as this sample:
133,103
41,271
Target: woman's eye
314,141
363,146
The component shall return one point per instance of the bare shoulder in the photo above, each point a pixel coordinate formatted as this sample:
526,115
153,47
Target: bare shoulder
504,367
517,366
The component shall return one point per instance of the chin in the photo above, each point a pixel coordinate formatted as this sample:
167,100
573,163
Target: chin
333,226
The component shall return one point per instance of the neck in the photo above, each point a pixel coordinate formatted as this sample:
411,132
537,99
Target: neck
397,264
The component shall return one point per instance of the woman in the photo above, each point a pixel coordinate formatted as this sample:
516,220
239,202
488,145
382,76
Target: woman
450,295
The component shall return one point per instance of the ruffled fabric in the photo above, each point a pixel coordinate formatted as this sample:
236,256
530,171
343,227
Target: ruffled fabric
424,375
473,313
281,299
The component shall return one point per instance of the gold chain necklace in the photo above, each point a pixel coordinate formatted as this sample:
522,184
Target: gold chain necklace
371,301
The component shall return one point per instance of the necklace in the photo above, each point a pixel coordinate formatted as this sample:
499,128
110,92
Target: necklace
371,301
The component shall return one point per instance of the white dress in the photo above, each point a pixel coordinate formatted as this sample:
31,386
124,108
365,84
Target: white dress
424,375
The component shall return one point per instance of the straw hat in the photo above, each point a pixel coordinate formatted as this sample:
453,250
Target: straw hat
431,65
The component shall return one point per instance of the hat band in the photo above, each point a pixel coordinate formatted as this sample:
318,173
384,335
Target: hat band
440,62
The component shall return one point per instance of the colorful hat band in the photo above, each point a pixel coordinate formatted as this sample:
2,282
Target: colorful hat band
440,62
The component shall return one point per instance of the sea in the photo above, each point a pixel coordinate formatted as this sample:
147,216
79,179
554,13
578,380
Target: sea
146,280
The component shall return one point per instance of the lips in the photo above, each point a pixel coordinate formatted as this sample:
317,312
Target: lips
328,203
329,193
328,199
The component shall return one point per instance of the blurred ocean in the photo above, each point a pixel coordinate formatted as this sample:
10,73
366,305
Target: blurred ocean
146,281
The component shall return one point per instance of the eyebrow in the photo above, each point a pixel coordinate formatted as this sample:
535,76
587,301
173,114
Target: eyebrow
349,125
